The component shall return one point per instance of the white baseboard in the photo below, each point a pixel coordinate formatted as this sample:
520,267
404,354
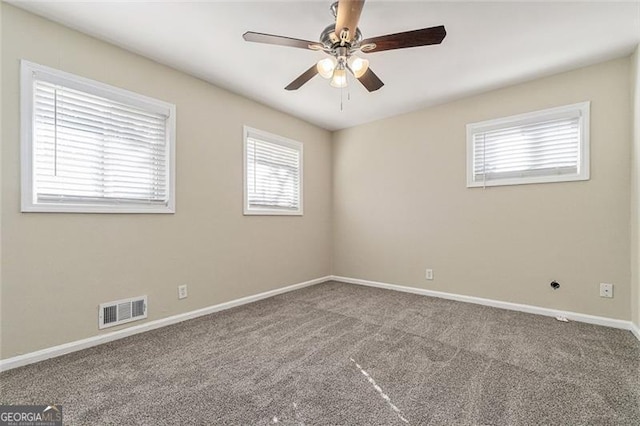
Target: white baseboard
55,351
573,316
635,330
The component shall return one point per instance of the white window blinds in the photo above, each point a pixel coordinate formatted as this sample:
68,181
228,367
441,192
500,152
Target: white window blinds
273,180
91,150
546,146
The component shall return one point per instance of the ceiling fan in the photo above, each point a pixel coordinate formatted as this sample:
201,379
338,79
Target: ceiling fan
342,40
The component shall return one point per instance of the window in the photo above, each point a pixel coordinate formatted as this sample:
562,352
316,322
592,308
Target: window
542,146
273,174
92,148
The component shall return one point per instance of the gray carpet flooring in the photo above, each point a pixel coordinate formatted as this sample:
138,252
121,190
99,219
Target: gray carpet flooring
345,354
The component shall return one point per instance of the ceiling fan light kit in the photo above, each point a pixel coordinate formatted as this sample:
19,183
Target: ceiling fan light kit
340,41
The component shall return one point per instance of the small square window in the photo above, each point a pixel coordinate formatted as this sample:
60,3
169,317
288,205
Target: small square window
92,148
543,146
273,174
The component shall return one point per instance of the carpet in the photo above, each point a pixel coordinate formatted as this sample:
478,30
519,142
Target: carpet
345,354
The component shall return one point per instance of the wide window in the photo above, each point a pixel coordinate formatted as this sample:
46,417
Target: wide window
89,147
543,146
273,174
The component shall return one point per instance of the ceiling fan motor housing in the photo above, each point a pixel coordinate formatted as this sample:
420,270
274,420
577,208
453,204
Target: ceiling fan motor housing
330,41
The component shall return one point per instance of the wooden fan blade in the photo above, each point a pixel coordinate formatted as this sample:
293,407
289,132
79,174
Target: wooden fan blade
415,38
348,16
279,40
371,81
304,77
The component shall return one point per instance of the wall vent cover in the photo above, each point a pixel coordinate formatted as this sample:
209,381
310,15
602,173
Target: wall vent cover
122,311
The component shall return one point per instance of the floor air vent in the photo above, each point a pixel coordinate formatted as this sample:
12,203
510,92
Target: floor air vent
122,311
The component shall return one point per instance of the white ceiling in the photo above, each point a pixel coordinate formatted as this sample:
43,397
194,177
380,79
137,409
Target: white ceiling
488,45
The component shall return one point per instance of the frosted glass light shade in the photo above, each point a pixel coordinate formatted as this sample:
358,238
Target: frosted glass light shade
358,65
339,78
326,66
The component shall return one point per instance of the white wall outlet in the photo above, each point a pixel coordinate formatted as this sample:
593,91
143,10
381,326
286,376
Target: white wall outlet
182,291
606,290
429,274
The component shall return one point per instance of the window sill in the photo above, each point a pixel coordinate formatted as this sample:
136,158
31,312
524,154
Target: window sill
267,212
40,208
528,180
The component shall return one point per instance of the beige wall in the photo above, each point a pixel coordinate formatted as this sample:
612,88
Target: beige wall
635,188
1,97
401,203
57,268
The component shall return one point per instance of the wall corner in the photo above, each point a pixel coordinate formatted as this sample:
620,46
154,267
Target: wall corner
635,186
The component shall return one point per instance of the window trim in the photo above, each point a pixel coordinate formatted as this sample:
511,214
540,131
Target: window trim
532,117
275,139
28,204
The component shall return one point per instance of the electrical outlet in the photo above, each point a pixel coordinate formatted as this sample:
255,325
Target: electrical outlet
606,290
429,274
182,291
